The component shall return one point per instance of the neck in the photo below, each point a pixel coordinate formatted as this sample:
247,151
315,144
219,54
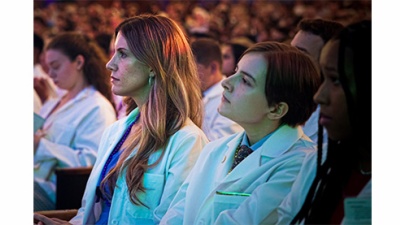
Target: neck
256,133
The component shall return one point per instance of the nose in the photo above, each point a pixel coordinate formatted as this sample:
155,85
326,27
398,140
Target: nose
111,65
321,96
226,84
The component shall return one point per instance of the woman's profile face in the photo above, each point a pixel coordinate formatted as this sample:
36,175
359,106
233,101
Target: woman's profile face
64,72
244,99
129,76
228,60
331,97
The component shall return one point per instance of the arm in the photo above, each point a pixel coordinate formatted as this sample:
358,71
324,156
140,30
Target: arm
184,155
75,146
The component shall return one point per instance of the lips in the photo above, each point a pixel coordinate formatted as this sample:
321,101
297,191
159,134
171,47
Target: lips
224,99
114,78
324,120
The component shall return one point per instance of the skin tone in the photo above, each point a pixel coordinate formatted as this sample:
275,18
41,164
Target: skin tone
331,96
244,90
209,75
67,75
129,76
228,60
308,43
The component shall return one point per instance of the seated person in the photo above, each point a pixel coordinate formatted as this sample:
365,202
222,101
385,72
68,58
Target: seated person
270,96
209,60
74,123
339,181
145,156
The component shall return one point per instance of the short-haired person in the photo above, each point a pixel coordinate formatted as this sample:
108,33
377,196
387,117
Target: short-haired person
341,190
270,96
311,36
209,60
145,156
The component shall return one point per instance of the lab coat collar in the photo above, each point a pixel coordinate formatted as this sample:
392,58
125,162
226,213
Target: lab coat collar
84,93
276,145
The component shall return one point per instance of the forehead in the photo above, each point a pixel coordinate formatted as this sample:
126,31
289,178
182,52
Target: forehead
306,40
120,41
54,54
255,64
329,55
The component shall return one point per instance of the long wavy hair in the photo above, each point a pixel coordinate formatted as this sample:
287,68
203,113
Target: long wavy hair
73,44
354,67
174,95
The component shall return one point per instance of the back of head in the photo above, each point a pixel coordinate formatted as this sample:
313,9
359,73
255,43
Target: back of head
73,44
158,42
291,77
206,50
321,27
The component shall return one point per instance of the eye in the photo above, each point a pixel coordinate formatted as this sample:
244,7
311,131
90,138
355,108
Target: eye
55,67
245,81
122,54
335,81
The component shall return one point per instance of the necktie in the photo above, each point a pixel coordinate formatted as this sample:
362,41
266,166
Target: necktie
241,153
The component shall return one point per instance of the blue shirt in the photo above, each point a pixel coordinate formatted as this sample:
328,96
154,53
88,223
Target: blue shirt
245,141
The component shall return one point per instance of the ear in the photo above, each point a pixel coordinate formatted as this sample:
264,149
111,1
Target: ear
214,66
80,61
278,111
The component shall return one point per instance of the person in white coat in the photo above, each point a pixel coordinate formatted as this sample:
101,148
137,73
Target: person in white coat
209,60
74,122
145,156
270,96
339,185
311,36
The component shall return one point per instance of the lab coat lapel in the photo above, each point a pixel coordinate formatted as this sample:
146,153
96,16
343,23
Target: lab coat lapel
114,136
279,143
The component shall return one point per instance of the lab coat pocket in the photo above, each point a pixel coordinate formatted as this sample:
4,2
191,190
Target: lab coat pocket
227,200
60,133
154,186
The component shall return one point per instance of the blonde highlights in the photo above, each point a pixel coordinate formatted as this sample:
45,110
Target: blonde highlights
174,96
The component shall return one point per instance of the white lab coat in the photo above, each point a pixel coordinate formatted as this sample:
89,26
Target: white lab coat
267,175
161,182
214,124
73,135
294,201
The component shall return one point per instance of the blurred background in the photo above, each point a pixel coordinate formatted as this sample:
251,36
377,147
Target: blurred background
256,20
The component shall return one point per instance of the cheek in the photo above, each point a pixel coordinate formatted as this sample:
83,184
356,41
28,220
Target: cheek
250,104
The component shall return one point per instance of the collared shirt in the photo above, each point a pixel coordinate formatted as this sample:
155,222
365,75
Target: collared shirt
245,141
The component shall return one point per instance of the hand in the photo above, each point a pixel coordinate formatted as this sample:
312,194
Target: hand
41,88
36,139
44,220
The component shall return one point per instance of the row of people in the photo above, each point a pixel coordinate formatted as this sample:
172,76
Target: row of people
157,166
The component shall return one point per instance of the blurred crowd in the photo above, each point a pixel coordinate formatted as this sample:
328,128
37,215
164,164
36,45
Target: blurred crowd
255,20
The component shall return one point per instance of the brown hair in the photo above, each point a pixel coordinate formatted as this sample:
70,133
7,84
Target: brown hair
291,77
175,94
73,44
